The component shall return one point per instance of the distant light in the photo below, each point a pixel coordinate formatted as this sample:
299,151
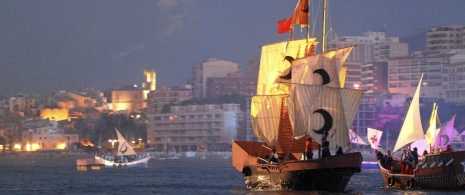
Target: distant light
135,85
356,86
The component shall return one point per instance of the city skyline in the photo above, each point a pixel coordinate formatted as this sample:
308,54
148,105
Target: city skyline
51,45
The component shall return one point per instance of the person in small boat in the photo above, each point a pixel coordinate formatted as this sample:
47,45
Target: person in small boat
274,156
410,161
339,151
424,153
448,149
379,155
415,156
309,149
387,160
325,144
403,164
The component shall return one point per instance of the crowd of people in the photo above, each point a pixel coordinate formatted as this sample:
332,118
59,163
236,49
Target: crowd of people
408,160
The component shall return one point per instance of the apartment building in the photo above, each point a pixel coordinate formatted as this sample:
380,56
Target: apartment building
444,38
157,99
210,68
189,128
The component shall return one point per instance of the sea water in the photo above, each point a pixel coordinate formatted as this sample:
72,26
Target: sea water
58,175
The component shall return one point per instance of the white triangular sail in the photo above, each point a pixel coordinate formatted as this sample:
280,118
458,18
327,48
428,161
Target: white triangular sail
124,148
412,129
374,137
445,137
431,132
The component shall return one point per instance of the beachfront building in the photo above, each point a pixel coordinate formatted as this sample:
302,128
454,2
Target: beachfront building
194,128
46,135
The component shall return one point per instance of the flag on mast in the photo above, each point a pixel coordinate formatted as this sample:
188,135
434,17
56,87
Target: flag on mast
301,12
355,139
374,137
284,26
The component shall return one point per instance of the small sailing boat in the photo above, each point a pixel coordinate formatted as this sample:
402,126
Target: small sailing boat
125,156
299,95
435,171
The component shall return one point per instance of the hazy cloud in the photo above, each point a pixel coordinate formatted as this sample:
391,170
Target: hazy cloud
129,51
175,14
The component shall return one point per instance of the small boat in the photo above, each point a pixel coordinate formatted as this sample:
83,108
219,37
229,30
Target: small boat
299,96
370,165
442,170
435,171
125,156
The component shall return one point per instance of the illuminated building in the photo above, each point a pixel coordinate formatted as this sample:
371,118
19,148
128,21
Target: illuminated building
128,99
45,134
186,128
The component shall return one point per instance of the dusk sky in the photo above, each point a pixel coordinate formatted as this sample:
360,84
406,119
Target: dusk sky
68,45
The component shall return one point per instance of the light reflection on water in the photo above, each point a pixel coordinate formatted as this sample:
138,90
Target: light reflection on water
59,176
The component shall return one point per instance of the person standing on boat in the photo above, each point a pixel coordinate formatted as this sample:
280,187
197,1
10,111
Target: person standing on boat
403,164
379,155
339,151
274,156
415,157
388,160
325,143
410,161
309,149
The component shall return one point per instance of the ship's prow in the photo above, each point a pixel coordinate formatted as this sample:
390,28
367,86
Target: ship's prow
290,173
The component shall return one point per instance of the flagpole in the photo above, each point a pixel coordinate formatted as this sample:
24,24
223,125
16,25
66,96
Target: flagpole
323,27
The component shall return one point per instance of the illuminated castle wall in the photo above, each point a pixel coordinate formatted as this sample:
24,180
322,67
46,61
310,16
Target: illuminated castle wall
129,100
57,114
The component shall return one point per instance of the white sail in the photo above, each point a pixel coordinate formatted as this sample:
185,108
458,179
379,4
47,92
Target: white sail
265,111
412,129
314,109
124,148
273,64
306,70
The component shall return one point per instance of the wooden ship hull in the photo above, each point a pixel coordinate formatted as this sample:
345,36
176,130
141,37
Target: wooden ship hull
437,171
324,174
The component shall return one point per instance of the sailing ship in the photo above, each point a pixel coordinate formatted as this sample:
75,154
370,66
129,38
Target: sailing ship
299,95
435,171
125,155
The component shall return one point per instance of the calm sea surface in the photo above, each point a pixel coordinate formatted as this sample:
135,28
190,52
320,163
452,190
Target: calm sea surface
58,175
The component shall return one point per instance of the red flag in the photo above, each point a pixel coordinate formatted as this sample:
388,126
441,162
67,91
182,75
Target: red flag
301,13
284,26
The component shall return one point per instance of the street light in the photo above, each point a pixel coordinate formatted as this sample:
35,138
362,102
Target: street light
112,142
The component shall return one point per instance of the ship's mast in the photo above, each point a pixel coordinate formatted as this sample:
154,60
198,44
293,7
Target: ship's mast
323,27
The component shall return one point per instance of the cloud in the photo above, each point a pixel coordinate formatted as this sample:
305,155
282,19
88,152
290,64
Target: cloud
175,13
129,51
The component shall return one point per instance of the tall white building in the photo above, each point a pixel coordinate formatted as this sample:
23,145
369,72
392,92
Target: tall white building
210,68
372,46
